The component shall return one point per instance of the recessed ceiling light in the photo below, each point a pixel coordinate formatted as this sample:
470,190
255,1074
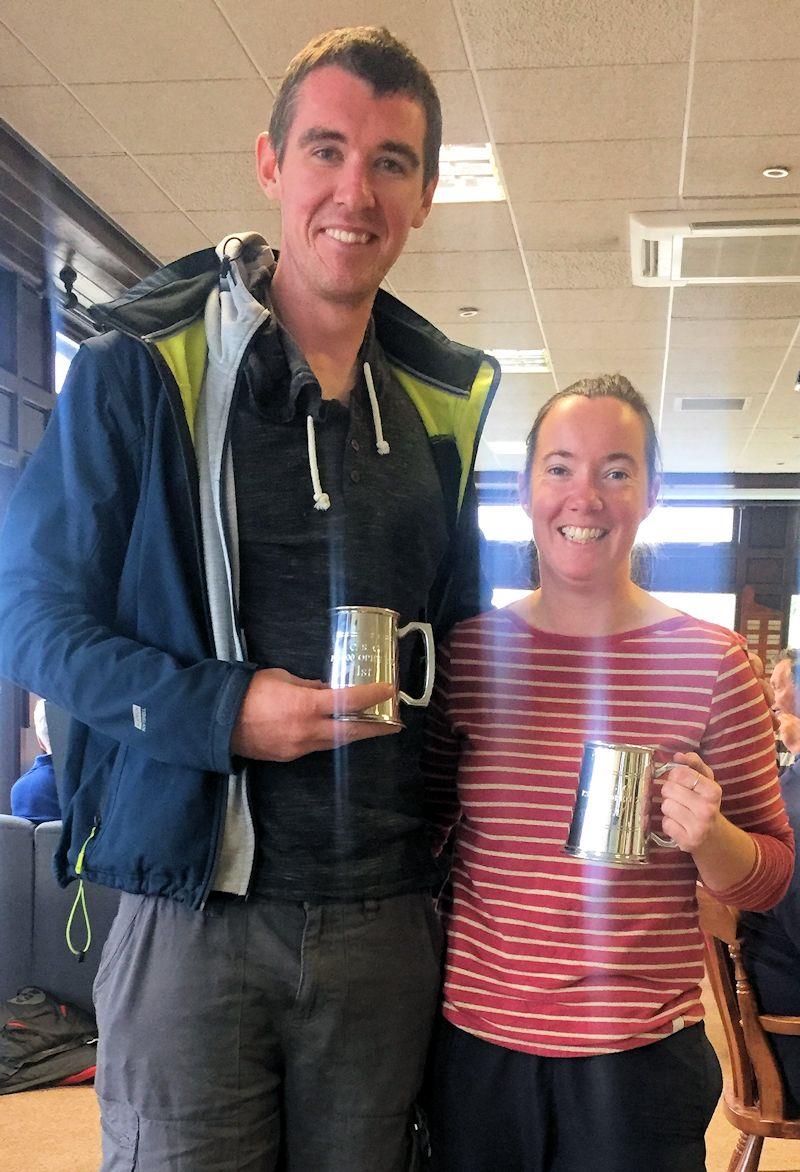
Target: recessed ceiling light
467,174
775,172
468,311
522,361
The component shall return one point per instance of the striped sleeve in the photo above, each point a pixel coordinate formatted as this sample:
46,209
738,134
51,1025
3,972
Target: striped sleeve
440,758
739,745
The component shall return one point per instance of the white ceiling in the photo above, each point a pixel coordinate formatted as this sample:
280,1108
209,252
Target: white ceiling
595,109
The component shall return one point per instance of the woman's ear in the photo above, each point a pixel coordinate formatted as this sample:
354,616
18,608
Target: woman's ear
653,493
524,492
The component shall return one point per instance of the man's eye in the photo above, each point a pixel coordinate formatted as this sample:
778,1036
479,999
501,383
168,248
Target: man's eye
326,154
393,165
618,474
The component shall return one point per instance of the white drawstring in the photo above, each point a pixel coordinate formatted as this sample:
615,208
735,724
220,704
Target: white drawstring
380,443
321,499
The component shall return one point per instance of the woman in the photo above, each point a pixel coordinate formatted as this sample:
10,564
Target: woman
571,1036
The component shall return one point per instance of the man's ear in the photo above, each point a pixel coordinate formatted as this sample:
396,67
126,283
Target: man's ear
267,167
427,200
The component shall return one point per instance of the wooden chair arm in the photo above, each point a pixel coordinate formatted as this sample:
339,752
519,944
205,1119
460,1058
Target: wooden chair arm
772,1024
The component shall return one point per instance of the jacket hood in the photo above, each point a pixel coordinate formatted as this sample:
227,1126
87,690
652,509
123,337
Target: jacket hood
175,296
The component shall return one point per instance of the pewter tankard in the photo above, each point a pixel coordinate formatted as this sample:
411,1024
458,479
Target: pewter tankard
364,651
611,821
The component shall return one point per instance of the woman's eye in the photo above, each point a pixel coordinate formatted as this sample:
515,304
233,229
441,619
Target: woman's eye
557,470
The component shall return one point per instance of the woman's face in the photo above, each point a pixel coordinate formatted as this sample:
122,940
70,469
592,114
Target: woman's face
588,491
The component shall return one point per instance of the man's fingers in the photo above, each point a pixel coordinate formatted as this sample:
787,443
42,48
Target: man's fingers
336,701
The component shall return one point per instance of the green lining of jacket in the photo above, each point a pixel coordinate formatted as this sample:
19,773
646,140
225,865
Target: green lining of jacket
443,412
185,354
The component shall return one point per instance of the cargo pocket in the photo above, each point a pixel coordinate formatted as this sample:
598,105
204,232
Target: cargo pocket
120,1135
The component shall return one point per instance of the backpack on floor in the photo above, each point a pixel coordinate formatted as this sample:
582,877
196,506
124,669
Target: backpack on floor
44,1042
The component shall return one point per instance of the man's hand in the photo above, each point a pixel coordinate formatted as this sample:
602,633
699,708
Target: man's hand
284,717
789,731
766,687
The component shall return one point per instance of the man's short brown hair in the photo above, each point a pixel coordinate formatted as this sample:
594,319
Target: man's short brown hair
375,56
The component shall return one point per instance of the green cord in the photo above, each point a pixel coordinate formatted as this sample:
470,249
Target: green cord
80,901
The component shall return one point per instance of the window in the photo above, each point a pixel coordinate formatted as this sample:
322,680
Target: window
65,351
666,524
794,622
714,608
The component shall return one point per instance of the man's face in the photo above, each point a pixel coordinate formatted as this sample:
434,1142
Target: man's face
782,682
349,185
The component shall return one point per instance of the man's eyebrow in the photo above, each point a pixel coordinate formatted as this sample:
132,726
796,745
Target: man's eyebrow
320,134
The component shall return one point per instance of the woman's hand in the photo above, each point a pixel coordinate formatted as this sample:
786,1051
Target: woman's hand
724,854
690,802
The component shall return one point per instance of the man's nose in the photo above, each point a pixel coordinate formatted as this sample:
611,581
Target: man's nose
354,188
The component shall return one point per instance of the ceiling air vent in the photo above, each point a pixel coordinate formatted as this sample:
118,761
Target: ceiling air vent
710,403
714,248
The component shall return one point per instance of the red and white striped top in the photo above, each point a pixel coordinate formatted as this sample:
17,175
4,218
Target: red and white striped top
555,955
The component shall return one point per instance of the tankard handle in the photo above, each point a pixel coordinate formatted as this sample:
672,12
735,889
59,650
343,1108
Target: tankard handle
426,630
658,770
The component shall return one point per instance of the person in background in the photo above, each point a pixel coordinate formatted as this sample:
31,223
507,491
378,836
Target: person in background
255,442
572,987
771,939
34,795
784,681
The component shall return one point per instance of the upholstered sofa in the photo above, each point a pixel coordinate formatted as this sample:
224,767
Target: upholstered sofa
34,912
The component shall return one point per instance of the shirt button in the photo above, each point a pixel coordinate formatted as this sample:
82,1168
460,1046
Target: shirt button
355,476
355,445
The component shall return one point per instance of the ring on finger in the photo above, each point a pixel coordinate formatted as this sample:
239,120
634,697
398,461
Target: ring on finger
696,782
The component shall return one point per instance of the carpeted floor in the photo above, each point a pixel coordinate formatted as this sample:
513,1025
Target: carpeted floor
58,1130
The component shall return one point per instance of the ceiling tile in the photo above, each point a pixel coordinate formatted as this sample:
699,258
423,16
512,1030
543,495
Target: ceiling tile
531,33
167,235
264,218
497,335
182,116
603,359
741,30
744,98
117,41
439,271
20,67
598,224
499,305
586,335
733,332
598,170
210,182
732,166
54,122
602,305
736,301
723,384
274,32
462,119
579,270
461,227
725,360
550,105
116,184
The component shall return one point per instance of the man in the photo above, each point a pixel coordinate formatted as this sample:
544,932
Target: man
772,939
34,795
251,446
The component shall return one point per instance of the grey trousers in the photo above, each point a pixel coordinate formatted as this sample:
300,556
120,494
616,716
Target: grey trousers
262,1036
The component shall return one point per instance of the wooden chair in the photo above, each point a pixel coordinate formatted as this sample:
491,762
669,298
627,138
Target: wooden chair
753,1096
